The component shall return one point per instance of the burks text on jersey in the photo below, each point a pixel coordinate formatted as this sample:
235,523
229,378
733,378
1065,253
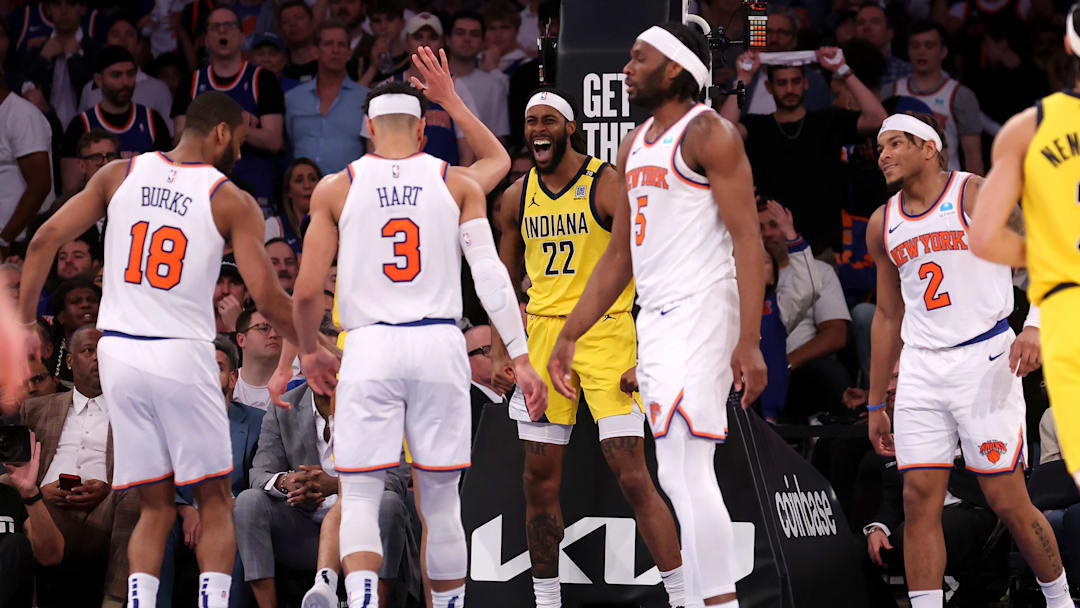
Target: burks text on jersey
944,240
170,200
390,196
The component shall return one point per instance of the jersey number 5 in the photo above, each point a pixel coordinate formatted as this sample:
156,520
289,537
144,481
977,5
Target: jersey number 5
408,248
639,220
165,261
933,299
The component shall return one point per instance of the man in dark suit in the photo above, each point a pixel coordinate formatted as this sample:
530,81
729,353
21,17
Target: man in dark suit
245,423
478,345
966,520
73,428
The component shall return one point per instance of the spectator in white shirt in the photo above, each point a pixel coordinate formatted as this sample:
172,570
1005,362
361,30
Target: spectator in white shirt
149,91
818,379
529,30
73,428
25,166
489,90
261,347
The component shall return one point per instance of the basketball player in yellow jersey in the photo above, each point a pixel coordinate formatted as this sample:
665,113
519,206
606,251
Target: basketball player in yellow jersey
556,221
1036,159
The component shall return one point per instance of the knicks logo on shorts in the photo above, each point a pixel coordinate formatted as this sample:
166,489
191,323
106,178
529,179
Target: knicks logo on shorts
993,450
654,411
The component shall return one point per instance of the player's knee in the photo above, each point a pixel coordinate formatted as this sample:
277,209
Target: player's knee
1010,506
214,493
359,529
541,486
440,504
920,501
635,483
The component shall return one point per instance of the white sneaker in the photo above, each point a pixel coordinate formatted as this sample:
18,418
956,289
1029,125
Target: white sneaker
320,596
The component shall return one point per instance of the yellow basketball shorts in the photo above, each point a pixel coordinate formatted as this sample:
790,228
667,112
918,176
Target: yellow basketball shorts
601,357
1060,336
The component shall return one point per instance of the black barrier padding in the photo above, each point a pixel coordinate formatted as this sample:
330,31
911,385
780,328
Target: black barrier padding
803,551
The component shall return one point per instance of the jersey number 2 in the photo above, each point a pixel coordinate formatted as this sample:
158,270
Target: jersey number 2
165,261
408,248
933,299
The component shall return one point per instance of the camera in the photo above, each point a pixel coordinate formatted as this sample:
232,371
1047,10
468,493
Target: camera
15,445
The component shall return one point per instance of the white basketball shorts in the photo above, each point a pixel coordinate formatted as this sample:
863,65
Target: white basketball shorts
684,360
966,394
403,382
167,410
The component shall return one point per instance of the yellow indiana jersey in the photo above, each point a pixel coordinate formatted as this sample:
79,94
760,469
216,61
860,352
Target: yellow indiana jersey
1051,197
564,239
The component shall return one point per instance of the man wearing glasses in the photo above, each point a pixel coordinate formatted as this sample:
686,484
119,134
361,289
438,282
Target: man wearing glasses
256,90
260,346
482,393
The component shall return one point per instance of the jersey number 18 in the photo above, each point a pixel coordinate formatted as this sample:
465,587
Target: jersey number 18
165,259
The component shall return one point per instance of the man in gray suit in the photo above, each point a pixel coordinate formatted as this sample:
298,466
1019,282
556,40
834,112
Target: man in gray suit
293,488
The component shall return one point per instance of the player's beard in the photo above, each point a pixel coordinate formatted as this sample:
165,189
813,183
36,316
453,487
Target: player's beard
650,93
558,151
228,159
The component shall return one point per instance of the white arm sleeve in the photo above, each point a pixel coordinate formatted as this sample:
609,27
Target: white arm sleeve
493,284
1034,317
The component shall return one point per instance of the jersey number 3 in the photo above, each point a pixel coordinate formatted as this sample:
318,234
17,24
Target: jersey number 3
407,247
933,299
165,261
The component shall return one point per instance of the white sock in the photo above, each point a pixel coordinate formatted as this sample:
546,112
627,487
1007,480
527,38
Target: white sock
927,598
214,589
454,598
548,592
328,577
363,589
675,586
1056,592
142,590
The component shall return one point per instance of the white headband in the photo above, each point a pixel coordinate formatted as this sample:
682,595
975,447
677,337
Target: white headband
1074,38
394,103
666,42
547,98
905,123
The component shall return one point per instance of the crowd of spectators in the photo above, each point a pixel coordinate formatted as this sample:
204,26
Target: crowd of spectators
85,82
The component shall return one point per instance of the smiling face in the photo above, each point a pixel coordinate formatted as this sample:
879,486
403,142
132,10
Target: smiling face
900,158
548,134
80,308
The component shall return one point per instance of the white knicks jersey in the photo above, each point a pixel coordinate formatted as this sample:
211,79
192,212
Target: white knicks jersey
162,251
399,260
678,243
950,295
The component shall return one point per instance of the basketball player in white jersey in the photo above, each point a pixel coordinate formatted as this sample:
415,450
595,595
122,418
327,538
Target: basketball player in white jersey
398,221
170,216
694,249
942,312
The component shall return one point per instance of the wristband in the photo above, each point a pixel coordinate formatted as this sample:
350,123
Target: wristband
874,408
843,71
33,499
1034,317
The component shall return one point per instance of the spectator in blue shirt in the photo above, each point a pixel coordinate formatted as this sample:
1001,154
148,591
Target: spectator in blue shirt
324,116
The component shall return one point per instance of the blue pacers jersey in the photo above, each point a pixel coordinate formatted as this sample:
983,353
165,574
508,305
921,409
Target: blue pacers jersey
135,136
255,167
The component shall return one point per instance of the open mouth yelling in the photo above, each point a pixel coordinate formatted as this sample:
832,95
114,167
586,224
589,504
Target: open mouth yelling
541,147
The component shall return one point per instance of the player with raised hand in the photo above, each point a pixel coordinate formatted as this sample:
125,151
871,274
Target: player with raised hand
398,221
